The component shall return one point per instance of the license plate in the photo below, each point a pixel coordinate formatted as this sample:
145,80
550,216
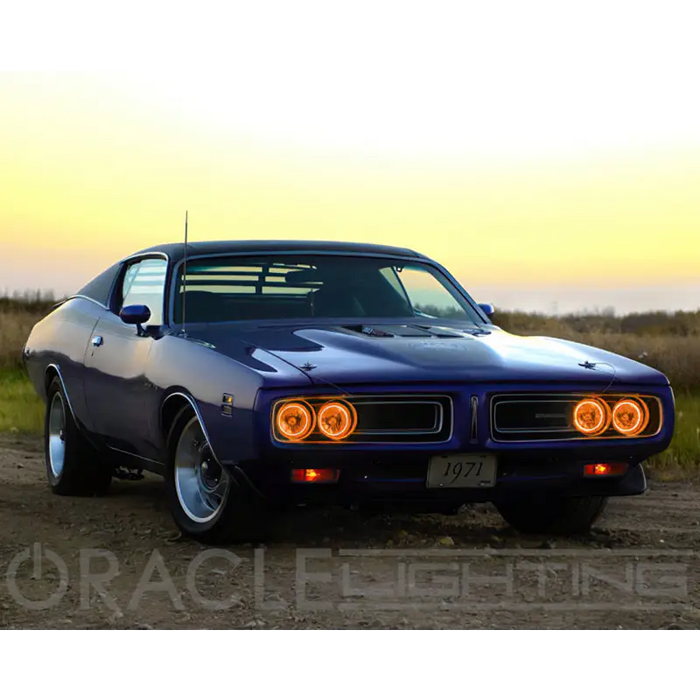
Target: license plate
461,471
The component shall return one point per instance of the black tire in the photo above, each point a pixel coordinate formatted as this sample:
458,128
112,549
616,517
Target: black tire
234,519
73,466
562,516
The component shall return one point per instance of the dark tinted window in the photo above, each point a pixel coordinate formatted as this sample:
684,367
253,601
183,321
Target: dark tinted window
303,286
99,288
144,283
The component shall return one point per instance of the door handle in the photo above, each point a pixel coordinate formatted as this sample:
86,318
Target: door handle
97,341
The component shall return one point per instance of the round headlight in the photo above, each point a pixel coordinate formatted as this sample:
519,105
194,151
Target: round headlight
295,420
336,420
630,417
591,417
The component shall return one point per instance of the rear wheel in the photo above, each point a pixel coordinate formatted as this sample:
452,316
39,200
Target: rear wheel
205,500
563,516
73,466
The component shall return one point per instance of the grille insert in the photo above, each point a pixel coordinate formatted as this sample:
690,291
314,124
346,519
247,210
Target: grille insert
424,418
529,417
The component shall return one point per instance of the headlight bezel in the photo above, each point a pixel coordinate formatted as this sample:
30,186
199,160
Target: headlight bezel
311,420
411,418
643,416
548,416
613,404
602,422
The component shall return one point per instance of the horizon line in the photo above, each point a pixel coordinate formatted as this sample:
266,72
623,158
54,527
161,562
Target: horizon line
39,295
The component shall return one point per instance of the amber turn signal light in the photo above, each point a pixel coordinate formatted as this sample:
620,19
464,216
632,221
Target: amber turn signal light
605,469
336,420
315,476
591,417
295,420
630,417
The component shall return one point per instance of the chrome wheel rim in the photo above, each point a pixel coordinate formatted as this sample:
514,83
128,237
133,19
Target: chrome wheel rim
202,485
57,435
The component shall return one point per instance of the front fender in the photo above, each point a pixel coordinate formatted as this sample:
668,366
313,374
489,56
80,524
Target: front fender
199,375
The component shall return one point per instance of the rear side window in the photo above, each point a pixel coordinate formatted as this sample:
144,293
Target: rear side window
144,283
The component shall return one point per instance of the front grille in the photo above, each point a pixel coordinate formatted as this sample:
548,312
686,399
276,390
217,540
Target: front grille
382,416
402,419
529,417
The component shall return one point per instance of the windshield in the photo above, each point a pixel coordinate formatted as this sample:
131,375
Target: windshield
284,286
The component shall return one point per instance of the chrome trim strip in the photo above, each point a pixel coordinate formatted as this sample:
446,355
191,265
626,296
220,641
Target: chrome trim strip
534,398
474,426
192,403
144,254
371,396
82,296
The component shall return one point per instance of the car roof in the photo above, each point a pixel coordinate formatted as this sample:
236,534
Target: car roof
175,251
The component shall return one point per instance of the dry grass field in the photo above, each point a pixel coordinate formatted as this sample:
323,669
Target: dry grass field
668,342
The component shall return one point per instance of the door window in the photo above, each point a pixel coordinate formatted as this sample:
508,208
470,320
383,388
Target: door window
144,283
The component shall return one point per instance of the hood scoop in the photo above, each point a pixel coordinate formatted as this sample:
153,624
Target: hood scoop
412,331
476,332
389,331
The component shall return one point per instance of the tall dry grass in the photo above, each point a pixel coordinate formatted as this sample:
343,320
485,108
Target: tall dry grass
18,314
667,342
15,326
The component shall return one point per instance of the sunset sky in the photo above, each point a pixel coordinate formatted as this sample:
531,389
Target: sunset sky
551,160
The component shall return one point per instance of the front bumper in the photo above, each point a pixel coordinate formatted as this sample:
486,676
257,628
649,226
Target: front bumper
398,472
402,478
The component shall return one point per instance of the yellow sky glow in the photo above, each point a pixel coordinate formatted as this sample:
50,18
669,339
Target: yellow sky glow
546,165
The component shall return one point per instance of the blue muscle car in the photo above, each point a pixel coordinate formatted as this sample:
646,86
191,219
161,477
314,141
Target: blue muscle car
255,374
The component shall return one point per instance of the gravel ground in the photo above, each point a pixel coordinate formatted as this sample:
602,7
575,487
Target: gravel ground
118,562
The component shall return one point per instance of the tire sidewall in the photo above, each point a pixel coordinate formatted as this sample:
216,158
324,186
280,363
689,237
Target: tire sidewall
182,520
69,433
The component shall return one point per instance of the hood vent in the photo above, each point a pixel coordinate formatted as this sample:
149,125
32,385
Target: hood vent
413,331
390,331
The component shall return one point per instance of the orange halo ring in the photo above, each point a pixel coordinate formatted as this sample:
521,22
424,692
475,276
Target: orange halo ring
351,414
307,408
603,424
643,416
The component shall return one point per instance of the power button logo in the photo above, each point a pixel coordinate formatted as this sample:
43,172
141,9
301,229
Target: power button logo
37,556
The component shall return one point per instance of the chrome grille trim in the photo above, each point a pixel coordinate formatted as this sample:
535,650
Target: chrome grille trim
444,402
474,426
572,434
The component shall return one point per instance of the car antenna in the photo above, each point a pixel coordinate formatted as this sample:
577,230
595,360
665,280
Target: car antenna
184,281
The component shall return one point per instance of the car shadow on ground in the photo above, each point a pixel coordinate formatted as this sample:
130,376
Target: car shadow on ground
475,525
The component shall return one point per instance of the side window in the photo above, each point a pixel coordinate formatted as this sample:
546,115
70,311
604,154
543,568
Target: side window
392,277
428,295
144,283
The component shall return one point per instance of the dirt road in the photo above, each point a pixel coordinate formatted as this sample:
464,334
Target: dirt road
119,562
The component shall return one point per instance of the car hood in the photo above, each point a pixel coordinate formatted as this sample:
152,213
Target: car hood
387,354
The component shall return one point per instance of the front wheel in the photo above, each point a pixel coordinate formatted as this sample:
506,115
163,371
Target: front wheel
563,516
205,500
